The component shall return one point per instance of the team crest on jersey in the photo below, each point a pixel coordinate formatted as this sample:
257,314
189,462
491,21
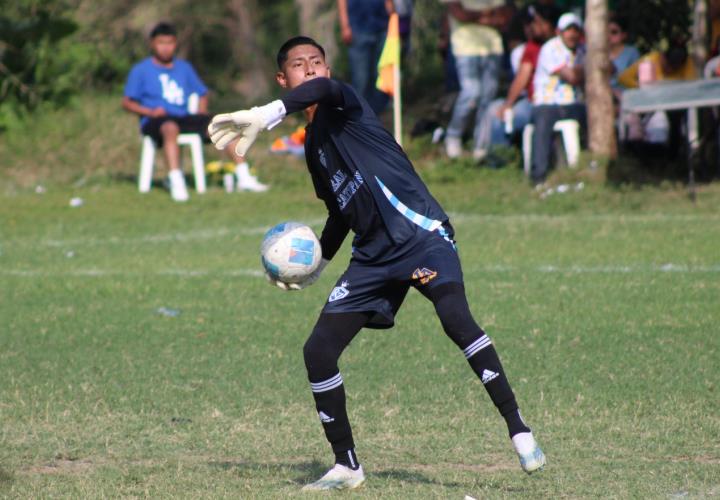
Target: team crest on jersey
424,275
321,157
339,292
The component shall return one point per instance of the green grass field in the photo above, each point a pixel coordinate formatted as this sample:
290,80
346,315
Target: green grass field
603,305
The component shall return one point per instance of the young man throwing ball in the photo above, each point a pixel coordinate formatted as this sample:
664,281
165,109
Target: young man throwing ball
403,239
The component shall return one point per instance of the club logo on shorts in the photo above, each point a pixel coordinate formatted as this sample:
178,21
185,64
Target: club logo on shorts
339,292
424,275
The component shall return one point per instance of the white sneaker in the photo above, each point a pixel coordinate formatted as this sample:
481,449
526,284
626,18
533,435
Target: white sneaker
531,456
250,183
178,189
453,147
338,478
479,154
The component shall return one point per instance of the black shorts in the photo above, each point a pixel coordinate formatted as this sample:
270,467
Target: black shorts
381,288
189,124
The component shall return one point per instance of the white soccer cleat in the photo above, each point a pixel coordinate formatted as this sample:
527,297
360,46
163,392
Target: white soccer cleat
338,478
178,189
531,456
250,183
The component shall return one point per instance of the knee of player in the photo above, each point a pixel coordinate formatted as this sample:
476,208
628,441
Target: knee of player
316,352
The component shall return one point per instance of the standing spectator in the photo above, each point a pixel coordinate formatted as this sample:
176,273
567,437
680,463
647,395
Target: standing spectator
517,106
556,89
477,47
452,84
622,54
363,27
158,89
404,9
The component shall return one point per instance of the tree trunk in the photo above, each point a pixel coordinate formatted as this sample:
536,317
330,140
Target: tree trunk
318,19
700,35
600,108
256,73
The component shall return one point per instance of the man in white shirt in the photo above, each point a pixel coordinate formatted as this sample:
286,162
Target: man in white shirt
557,85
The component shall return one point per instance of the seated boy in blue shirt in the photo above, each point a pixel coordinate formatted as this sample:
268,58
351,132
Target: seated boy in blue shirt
161,90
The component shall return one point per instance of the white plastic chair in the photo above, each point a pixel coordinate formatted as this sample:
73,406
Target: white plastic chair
193,141
570,131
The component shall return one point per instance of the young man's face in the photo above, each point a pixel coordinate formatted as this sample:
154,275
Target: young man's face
542,29
616,36
163,47
304,63
571,37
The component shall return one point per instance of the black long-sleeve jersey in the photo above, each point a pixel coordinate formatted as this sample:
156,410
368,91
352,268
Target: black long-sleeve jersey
365,179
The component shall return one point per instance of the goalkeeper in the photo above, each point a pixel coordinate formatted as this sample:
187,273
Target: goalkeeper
403,239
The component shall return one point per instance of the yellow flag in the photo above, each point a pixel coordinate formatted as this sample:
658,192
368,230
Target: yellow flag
390,57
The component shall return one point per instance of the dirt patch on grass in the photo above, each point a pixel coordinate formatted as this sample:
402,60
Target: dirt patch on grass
5,477
62,466
479,468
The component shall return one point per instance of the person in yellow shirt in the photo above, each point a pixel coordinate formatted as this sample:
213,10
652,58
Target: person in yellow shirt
659,127
673,64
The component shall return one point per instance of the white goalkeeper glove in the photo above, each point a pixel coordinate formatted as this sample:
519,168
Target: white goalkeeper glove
312,278
245,124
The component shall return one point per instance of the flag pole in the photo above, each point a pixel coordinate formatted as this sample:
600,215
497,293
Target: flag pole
397,105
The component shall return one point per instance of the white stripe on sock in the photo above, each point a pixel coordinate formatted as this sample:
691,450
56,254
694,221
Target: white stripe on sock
328,384
476,346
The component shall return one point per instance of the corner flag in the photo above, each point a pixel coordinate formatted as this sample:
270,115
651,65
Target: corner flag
388,80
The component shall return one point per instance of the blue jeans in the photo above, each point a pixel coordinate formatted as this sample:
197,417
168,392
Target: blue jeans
478,77
363,55
493,128
544,117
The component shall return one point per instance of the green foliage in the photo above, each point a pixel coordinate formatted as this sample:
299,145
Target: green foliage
42,63
653,23
33,61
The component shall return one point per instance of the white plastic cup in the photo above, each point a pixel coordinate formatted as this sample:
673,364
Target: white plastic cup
229,183
508,119
646,73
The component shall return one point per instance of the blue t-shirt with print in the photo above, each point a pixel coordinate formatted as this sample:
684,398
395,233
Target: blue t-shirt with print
155,86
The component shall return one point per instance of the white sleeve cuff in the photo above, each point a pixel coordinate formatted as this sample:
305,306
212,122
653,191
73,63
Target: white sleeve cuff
272,113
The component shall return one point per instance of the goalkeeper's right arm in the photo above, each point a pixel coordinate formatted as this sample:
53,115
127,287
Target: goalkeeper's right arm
247,123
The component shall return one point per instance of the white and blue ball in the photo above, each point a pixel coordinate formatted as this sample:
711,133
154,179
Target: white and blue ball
290,252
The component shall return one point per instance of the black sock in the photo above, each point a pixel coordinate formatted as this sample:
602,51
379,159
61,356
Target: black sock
486,364
330,405
515,423
347,458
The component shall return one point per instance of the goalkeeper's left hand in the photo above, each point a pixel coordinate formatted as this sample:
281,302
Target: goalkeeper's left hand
312,278
245,125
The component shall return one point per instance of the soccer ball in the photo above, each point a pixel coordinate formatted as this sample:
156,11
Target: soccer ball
290,252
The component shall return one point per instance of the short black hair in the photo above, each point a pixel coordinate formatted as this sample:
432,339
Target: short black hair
621,21
282,54
163,28
676,55
548,12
